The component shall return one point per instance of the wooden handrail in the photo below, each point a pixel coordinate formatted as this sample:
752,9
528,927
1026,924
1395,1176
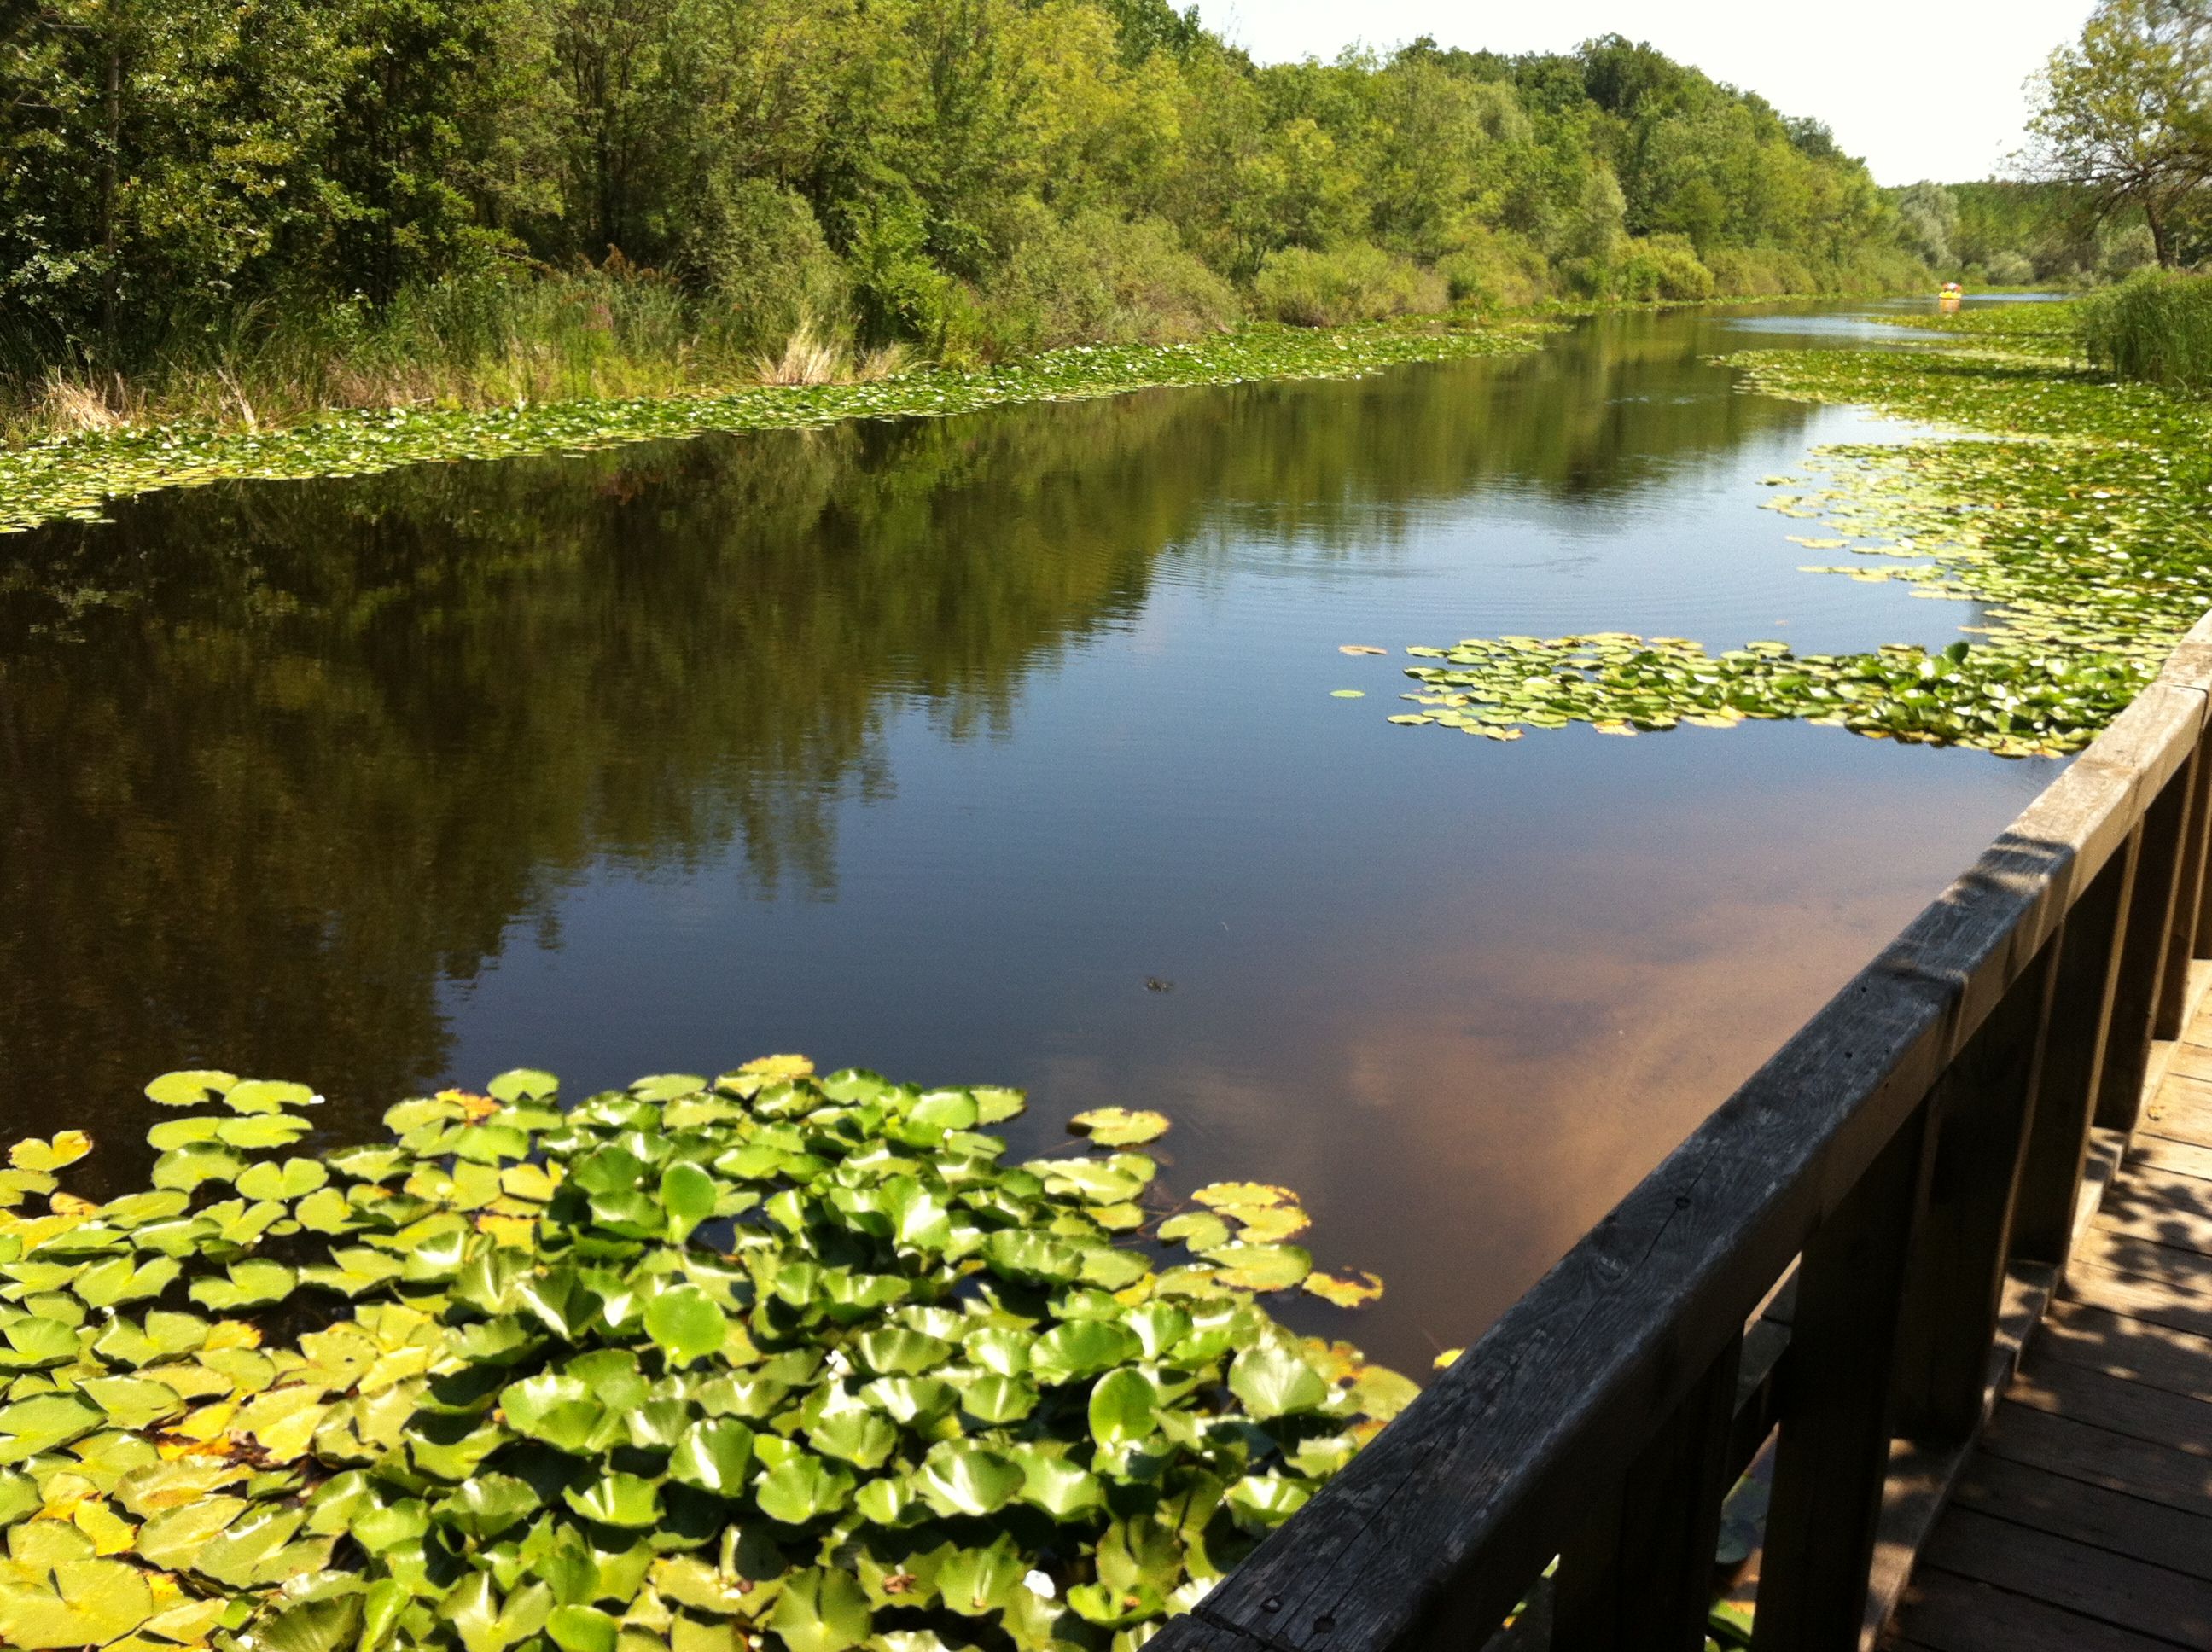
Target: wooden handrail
1910,1162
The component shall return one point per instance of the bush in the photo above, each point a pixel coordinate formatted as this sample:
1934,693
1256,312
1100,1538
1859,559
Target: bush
1663,268
1352,282
1759,272
1101,279
757,256
2156,327
1494,269
2010,270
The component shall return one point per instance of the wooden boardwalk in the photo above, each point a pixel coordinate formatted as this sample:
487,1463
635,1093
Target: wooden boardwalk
2083,1521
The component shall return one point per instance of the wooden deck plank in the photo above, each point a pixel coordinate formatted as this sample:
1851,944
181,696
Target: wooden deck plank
2095,1583
2115,1403
1945,1613
2147,1259
2181,1111
2165,1358
2088,1514
2180,1157
2158,1204
2097,1456
2130,1294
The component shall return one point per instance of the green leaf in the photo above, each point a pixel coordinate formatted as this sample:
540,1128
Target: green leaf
1062,1488
863,1438
582,1629
557,1409
1033,1258
1082,1348
821,1609
266,1096
1118,1126
185,1168
625,1500
975,1582
801,1488
252,1132
1124,1407
899,1352
295,1179
1261,1267
91,1602
191,1087
523,1084
689,1194
254,1282
999,1399
1273,1380
713,1455
957,1477
686,1323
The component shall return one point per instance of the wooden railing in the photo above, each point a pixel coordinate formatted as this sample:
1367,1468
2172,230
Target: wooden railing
1849,1252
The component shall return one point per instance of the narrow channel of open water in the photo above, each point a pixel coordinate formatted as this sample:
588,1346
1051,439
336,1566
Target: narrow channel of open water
994,748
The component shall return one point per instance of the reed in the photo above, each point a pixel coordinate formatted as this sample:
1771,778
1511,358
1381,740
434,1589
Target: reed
2155,327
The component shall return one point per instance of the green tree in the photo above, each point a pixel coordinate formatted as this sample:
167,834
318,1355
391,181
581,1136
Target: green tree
2124,114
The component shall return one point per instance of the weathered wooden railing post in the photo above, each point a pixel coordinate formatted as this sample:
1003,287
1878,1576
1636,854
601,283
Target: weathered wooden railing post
1982,1111
1639,1576
1833,1453
2090,947
2159,861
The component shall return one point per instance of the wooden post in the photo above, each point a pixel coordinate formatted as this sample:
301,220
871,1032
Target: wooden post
1833,1453
2142,954
1639,1577
2188,899
1981,1111
2073,1041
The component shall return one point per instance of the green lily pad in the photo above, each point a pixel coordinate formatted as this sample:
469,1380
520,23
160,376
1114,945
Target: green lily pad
957,1477
802,1488
1118,1126
192,1087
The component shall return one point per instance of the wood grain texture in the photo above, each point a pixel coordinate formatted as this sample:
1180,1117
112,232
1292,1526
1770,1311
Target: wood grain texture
2087,1514
1945,1613
2096,1583
2095,1457
2174,1360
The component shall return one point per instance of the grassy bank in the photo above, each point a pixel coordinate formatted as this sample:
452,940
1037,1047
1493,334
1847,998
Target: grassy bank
2075,517
75,475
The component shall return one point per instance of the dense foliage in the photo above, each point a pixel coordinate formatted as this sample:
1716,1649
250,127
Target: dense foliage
2123,115
188,181
2156,328
666,1371
2063,523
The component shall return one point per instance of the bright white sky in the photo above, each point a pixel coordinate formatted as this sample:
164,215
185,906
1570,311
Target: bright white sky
1922,88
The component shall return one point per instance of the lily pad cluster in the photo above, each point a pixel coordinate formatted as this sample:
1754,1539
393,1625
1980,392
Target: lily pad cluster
74,477
2016,700
778,1360
2075,516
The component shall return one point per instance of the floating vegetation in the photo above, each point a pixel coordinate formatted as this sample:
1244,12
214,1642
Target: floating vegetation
777,1360
74,477
2077,517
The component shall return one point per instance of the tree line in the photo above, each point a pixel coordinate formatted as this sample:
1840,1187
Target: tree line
970,177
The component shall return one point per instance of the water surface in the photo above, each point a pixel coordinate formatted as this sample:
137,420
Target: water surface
994,749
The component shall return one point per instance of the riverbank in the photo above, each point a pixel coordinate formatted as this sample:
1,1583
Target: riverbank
74,477
2065,518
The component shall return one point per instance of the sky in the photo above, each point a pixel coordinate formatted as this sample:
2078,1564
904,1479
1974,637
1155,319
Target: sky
1919,87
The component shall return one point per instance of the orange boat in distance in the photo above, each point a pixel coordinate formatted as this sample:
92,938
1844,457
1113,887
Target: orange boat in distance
1951,295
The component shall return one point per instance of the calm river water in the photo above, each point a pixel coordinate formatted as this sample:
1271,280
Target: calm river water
997,748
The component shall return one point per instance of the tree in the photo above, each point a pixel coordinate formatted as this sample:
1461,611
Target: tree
2125,113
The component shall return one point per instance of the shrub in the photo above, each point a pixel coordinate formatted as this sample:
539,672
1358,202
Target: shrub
757,256
1494,269
1758,272
1099,278
1352,282
1664,268
2011,269
2156,327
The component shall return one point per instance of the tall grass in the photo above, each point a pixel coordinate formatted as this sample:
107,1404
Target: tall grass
483,342
2155,327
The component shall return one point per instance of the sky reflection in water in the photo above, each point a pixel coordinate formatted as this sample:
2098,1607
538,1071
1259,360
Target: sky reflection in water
944,748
